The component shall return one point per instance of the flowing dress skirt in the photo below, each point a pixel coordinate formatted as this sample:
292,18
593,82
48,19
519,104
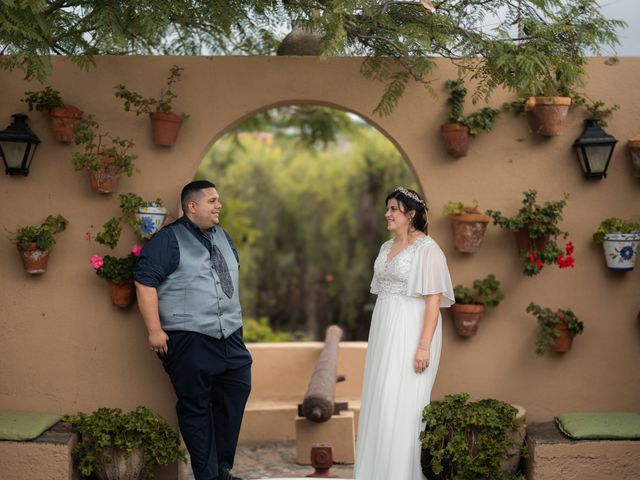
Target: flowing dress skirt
393,395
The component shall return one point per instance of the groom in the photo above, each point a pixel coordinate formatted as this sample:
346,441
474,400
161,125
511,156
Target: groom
187,286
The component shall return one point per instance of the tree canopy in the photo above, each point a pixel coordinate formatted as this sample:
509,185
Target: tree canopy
528,46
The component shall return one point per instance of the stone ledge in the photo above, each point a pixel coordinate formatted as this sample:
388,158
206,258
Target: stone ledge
47,457
553,456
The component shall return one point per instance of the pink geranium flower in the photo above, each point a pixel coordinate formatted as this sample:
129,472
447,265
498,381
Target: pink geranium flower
136,249
96,261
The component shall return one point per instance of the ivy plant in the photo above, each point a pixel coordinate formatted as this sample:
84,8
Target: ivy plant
467,440
476,122
110,427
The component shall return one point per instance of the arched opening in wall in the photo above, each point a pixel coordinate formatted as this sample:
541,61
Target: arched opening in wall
303,189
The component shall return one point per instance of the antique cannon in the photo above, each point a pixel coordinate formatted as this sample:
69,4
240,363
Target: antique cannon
318,404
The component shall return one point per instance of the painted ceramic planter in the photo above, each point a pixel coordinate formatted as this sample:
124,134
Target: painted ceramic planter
621,250
150,220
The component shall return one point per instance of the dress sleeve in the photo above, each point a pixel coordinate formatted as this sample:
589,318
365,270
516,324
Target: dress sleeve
430,275
375,281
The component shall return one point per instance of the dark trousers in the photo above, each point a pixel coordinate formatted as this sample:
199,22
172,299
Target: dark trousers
212,380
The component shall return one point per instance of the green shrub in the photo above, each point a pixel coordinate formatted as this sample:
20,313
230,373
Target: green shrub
260,331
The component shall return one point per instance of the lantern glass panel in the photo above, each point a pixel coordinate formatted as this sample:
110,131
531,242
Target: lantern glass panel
598,156
13,153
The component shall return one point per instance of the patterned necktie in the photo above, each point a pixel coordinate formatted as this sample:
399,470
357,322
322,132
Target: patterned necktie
220,266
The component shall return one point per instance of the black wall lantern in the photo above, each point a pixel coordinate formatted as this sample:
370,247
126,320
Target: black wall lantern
17,146
594,148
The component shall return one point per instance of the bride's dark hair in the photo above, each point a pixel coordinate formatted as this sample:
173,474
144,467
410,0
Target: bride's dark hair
410,200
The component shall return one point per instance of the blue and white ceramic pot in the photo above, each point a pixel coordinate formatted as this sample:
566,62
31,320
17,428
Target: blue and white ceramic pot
621,250
150,220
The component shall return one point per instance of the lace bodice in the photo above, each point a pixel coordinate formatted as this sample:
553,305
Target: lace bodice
392,277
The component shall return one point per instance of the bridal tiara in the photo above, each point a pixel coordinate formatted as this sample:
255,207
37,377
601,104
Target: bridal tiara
409,194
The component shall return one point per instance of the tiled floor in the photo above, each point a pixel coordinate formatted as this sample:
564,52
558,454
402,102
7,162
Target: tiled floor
272,460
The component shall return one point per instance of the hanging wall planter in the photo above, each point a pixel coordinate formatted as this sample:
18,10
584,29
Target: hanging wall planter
634,149
548,114
62,115
105,161
556,329
165,123
35,242
459,129
34,259
121,295
62,122
620,240
150,219
456,139
471,304
105,178
621,250
165,127
468,226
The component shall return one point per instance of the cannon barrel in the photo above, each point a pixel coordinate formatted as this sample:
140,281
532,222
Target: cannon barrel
318,404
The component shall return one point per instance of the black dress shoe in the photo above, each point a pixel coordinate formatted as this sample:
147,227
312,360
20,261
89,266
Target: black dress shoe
226,475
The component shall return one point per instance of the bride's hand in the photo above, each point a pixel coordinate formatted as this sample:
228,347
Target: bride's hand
421,361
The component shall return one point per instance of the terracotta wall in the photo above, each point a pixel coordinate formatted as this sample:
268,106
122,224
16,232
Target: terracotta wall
65,348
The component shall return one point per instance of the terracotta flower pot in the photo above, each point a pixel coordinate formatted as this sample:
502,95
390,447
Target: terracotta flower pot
121,295
456,139
165,127
466,318
548,114
105,179
563,341
527,244
468,230
62,122
634,148
34,259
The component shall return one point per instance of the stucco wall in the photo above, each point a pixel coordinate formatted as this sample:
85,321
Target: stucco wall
65,348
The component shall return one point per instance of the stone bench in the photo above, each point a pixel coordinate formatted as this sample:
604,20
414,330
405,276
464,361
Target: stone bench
47,457
553,456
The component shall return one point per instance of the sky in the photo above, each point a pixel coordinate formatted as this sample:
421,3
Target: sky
629,11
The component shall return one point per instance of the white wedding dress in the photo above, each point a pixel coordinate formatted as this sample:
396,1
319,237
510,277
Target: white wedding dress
393,395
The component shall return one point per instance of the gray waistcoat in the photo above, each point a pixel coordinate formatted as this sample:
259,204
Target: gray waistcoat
191,298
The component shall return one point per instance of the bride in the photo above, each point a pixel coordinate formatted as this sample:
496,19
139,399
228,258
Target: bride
412,282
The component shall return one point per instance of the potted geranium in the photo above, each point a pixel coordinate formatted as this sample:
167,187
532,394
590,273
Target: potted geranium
620,240
556,329
536,232
119,275
35,242
165,123
471,303
117,446
472,440
468,225
62,115
459,129
104,157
